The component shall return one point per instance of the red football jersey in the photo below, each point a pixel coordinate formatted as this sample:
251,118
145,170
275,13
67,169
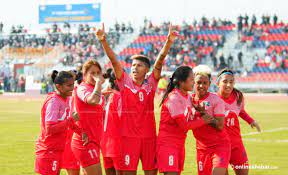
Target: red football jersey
111,137
176,115
207,136
137,116
54,124
91,116
233,110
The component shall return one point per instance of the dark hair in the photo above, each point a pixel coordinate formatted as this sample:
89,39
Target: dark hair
111,76
239,94
181,74
61,77
143,59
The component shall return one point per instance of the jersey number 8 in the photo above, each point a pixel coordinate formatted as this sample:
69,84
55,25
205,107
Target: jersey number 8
141,96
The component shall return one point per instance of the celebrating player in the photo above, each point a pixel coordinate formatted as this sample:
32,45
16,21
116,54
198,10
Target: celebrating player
234,106
212,142
138,127
89,105
54,124
176,120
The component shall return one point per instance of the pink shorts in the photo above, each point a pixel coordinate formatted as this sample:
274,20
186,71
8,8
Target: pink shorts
238,155
170,159
87,155
48,164
213,158
133,149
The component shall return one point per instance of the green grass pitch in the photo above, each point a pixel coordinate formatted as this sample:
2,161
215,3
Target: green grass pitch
20,121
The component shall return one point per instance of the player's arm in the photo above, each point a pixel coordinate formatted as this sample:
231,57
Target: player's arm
100,33
55,127
163,53
95,97
53,123
245,116
185,126
217,122
71,123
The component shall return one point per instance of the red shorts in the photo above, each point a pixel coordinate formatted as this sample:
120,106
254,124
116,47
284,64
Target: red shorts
69,161
170,159
213,158
238,155
133,149
48,163
109,162
87,155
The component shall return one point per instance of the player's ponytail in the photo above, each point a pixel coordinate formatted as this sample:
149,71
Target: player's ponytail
60,77
111,78
181,74
239,94
54,75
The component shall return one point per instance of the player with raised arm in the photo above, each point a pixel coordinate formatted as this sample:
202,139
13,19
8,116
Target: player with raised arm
138,127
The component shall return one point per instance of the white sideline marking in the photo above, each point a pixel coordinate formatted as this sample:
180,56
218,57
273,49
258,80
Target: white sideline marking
265,141
265,131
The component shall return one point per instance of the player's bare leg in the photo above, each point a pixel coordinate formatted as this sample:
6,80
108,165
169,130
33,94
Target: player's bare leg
219,171
127,172
171,173
150,172
73,172
241,171
93,169
110,171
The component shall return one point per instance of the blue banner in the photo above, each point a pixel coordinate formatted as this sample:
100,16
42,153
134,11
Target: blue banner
70,13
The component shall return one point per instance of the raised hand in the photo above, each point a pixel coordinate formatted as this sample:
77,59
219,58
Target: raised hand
173,34
100,33
99,79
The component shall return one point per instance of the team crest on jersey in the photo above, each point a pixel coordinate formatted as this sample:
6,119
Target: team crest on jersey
206,103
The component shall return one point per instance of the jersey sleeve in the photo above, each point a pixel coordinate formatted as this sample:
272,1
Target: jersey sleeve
175,106
83,93
219,107
52,111
125,78
152,81
190,125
